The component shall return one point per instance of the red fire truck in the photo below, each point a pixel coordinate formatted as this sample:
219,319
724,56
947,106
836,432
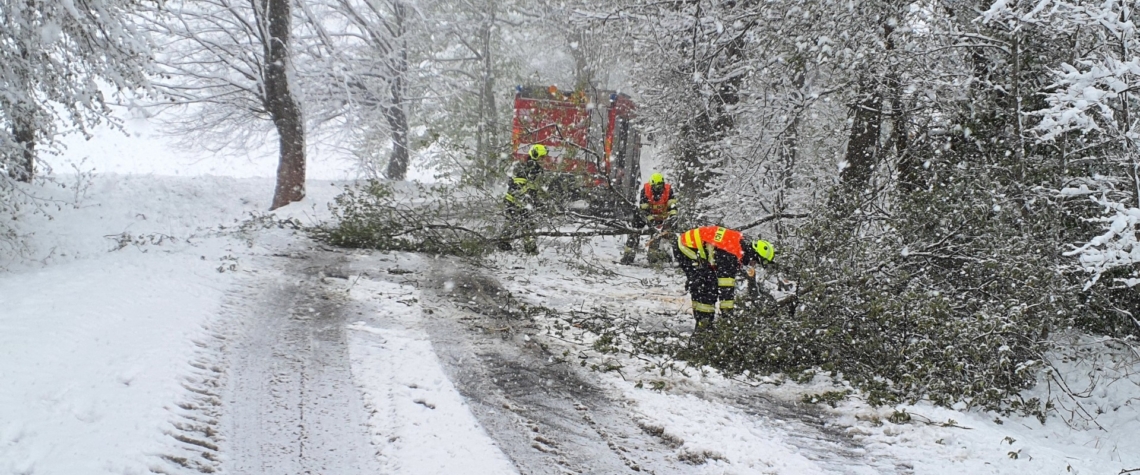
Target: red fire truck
590,138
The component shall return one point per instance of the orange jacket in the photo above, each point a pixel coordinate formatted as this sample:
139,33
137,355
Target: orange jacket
658,208
696,242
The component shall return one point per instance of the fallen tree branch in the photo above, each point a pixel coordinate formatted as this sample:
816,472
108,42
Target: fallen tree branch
587,233
771,217
1066,390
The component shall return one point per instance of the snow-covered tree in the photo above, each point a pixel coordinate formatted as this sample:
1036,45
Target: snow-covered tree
227,67
356,68
469,68
57,62
1093,108
752,100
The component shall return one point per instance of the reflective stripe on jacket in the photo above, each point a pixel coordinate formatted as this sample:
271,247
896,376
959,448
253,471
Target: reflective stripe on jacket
522,181
658,207
700,243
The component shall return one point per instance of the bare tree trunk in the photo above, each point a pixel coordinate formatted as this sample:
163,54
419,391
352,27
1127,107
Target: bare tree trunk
488,115
863,143
908,163
1018,124
24,132
394,113
1126,119
24,128
864,139
398,162
789,148
583,73
700,135
281,105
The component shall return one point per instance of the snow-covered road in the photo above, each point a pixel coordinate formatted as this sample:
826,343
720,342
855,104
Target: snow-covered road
291,405
355,362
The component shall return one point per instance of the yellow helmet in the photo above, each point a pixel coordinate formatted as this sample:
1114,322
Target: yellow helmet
537,151
764,249
656,179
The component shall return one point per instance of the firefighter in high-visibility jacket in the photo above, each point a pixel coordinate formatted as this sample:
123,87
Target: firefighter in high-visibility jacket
658,208
520,200
711,257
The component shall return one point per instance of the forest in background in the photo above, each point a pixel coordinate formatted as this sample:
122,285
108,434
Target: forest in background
968,169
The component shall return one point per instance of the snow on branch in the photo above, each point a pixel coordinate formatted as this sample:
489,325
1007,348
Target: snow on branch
1084,98
1117,247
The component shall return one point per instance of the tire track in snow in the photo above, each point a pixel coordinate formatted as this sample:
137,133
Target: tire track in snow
196,417
290,405
545,417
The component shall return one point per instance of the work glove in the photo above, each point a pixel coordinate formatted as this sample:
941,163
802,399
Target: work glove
637,222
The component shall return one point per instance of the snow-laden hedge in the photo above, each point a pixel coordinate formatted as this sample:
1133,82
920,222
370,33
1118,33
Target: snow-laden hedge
950,298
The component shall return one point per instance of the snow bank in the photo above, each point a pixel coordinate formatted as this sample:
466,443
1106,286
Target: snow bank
100,313
723,439
91,352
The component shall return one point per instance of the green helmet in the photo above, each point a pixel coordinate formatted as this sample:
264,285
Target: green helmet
764,249
656,179
537,151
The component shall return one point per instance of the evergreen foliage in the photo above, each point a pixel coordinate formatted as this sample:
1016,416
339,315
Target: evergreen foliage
951,321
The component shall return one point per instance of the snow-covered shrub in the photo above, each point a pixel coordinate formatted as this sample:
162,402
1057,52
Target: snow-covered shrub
1116,249
948,300
1109,264
42,198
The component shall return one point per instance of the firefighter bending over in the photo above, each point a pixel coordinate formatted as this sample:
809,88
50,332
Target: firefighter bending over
711,257
659,210
520,200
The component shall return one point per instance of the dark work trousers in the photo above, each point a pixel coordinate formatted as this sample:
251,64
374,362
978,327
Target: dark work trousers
634,240
522,220
710,286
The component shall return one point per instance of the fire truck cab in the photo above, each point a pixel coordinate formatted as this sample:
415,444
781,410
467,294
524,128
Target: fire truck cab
593,147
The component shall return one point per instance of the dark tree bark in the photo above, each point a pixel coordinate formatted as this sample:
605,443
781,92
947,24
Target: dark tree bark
394,113
909,165
23,167
864,139
790,146
281,105
712,124
24,132
488,113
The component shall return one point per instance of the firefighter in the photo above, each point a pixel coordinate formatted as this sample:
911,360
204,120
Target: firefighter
711,257
520,199
658,208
